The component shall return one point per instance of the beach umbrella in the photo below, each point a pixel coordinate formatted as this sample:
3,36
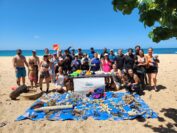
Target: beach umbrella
56,47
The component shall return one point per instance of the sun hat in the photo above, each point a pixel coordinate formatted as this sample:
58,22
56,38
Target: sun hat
105,54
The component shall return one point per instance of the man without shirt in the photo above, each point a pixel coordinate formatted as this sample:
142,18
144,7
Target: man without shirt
19,62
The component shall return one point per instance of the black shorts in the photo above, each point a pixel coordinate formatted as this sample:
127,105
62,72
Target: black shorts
45,74
152,69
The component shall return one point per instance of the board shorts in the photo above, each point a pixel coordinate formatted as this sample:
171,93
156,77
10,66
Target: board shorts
20,72
45,74
152,69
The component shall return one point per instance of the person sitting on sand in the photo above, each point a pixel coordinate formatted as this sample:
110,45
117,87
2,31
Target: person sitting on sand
19,62
95,63
36,61
152,68
132,82
60,80
44,72
106,63
32,73
117,76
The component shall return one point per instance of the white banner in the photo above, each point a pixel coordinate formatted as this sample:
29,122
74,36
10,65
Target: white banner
86,84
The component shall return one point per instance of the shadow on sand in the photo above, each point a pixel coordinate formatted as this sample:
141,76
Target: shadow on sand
159,88
170,113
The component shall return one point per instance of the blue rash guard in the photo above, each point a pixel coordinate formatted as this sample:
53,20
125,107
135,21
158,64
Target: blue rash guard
96,62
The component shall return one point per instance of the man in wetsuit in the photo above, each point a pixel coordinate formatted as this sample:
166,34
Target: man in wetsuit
19,62
119,61
129,60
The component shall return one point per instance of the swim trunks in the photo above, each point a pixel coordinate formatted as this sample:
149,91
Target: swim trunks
20,72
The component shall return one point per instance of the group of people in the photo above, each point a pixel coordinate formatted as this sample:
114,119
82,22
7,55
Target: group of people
132,70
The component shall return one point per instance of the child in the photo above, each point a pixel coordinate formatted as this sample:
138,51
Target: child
32,74
60,80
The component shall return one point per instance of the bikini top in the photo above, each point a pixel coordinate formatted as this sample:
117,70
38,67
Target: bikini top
45,65
141,59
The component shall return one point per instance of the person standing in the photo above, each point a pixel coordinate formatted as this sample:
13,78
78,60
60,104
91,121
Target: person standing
119,61
152,68
137,49
112,56
129,60
106,64
85,62
95,63
103,53
76,64
46,51
44,72
19,62
91,53
36,61
141,64
67,62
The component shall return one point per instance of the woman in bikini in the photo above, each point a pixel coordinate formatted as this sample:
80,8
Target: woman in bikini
44,72
152,68
141,64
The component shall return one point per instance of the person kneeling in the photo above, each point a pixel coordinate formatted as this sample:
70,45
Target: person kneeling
60,81
117,76
132,82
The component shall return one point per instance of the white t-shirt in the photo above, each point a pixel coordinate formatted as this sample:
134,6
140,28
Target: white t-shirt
60,80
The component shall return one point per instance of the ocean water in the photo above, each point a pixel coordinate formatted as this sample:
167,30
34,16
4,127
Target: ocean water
41,52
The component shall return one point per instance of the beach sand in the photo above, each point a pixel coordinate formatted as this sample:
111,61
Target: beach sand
164,102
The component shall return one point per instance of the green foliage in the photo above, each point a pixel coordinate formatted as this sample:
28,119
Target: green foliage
160,12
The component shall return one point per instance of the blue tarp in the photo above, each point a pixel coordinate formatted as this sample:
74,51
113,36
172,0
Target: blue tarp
111,107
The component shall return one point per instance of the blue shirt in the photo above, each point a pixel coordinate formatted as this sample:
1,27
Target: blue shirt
96,62
91,54
112,58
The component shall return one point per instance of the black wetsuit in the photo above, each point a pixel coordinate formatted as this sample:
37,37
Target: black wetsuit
120,61
129,61
136,87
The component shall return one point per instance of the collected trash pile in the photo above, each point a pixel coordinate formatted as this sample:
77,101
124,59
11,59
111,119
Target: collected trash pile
98,104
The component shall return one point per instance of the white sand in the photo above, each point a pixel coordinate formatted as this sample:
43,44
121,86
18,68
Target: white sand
163,102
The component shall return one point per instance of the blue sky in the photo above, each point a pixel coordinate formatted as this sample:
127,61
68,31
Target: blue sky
36,24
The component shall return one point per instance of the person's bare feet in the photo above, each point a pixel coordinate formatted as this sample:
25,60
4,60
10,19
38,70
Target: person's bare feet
155,88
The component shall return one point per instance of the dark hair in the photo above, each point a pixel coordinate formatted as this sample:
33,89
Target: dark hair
151,48
19,51
137,46
142,51
130,49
